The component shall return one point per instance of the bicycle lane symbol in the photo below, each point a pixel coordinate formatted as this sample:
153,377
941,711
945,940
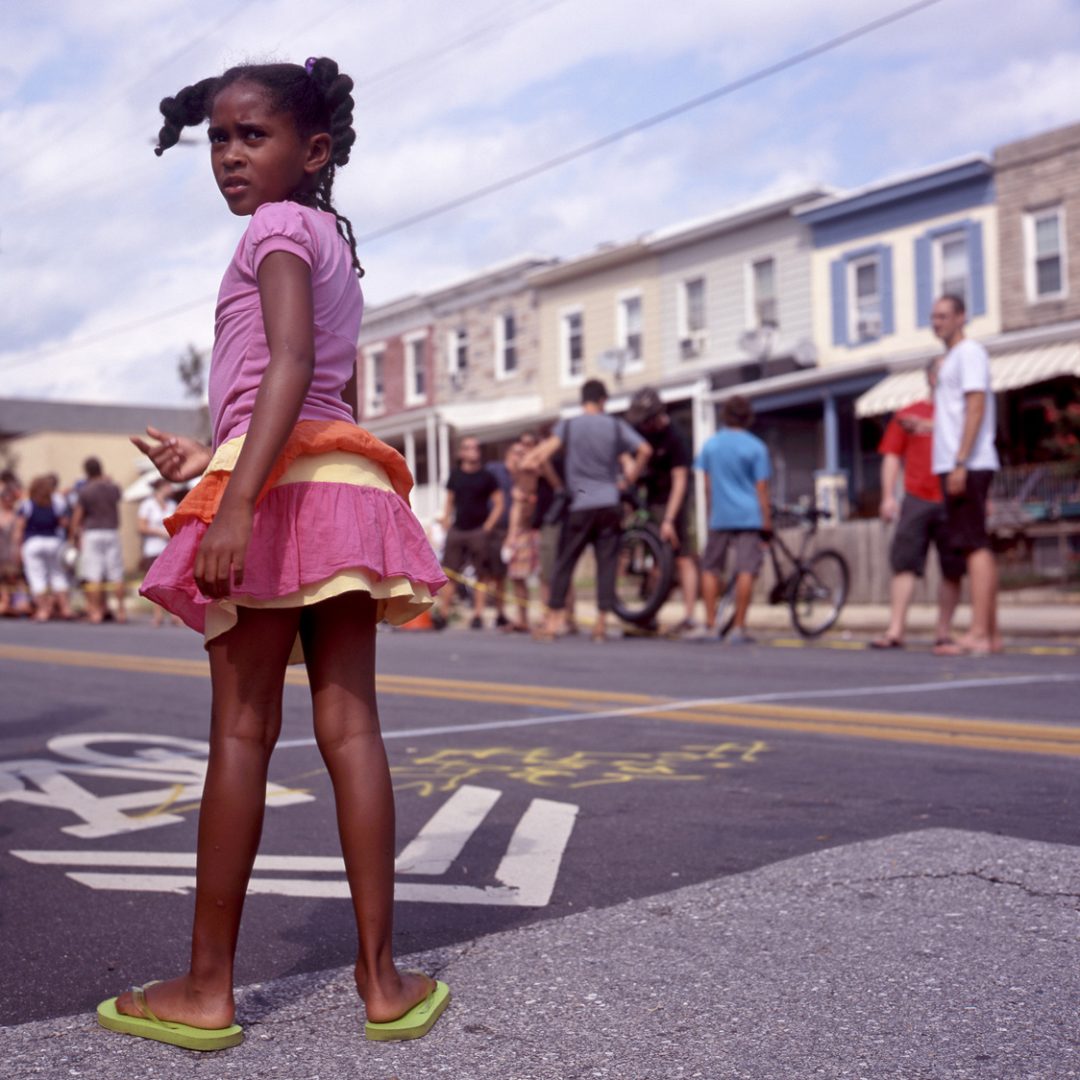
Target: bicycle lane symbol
525,876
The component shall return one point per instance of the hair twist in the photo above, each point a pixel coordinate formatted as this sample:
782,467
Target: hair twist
190,107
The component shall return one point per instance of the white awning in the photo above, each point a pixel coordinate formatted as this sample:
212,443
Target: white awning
1008,371
486,417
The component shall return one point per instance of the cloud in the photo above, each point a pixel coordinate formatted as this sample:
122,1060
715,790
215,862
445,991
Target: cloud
98,233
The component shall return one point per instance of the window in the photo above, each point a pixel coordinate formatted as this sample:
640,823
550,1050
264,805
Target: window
573,345
415,370
692,319
506,354
952,266
629,327
865,307
374,386
763,290
457,351
1046,271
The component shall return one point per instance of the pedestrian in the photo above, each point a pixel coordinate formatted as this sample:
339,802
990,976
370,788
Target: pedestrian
498,563
547,521
667,492
965,460
153,511
522,542
299,533
40,530
920,519
473,507
737,470
595,444
95,531
9,551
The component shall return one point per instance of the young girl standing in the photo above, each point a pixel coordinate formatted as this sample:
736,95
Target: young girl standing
297,540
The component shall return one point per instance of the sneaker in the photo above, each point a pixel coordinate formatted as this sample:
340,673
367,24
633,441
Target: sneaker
476,623
740,637
438,620
699,633
501,620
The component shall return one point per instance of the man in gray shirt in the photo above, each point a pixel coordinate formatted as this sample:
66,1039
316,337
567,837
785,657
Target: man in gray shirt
595,445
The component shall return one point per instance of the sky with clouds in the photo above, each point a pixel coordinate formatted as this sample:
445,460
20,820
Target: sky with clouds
110,257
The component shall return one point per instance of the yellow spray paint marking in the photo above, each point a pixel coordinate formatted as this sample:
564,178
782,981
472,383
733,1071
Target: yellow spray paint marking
166,804
448,769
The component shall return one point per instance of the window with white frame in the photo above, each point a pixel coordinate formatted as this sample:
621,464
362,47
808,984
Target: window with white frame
415,370
506,349
374,385
629,327
952,266
1046,270
865,306
692,324
573,344
763,291
457,351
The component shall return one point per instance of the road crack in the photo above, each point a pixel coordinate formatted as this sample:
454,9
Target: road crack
979,875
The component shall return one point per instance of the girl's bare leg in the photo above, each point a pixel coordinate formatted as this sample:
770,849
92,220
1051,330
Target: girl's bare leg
339,648
247,669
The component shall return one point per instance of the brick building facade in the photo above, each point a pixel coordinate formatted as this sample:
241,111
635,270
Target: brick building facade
1038,196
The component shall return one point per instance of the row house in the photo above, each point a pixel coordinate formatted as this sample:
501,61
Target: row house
816,306
687,310
461,359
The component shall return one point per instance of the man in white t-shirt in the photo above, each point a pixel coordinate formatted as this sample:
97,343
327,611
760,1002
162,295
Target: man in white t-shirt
965,460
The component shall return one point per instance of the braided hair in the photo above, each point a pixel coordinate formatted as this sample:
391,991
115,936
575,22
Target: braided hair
318,97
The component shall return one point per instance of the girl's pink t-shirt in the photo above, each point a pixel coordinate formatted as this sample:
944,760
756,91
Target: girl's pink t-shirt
241,352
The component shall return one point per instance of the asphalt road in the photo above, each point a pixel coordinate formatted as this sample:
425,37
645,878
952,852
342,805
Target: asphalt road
534,781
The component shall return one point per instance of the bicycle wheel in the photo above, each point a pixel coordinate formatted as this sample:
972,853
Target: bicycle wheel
819,593
643,575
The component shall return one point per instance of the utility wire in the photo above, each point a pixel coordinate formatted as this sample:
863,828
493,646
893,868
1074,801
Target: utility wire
552,163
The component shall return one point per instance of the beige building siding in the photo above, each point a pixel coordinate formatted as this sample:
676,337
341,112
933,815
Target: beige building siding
484,379
908,337
1033,175
63,453
597,294
725,263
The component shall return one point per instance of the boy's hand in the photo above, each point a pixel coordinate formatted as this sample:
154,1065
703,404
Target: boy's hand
177,457
219,562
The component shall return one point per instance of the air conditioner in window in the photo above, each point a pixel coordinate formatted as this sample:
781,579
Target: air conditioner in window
692,346
869,328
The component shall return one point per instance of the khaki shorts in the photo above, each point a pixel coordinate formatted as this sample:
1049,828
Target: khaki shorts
99,556
468,547
746,543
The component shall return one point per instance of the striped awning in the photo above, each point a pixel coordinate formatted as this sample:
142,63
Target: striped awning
1008,371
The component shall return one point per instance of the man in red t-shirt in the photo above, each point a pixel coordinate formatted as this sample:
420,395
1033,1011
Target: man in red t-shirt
907,445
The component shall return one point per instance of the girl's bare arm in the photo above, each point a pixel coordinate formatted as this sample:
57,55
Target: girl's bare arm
288,316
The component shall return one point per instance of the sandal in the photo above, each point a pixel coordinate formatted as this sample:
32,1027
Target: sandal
148,1026
417,1022
886,643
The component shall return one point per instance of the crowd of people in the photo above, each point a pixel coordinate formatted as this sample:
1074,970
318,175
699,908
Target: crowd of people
533,513
60,542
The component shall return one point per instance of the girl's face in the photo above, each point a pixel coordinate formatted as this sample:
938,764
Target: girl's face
257,154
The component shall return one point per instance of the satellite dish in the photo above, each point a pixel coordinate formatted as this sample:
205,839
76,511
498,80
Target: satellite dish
805,353
613,361
757,344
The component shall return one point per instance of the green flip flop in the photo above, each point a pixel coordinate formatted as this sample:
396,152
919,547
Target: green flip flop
148,1026
417,1022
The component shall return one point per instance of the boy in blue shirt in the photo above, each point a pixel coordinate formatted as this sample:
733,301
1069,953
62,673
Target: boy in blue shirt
737,470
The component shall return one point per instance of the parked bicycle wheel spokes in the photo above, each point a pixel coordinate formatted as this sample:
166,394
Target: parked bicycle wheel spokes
818,593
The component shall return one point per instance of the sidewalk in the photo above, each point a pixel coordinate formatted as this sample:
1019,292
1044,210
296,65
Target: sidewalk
925,956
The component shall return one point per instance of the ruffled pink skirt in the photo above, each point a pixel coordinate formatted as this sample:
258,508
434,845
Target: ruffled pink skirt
333,518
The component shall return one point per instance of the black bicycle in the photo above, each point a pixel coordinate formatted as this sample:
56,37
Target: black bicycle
814,585
645,570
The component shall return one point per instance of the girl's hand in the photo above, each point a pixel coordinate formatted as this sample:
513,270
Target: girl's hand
177,457
219,562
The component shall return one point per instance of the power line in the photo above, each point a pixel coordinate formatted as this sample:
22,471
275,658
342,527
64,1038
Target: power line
552,163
